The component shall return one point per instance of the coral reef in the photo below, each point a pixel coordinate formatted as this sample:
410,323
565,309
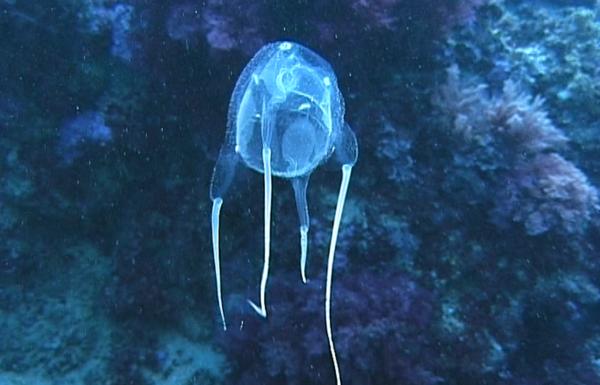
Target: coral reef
247,26
88,127
381,320
180,360
507,140
470,236
116,18
49,332
549,50
228,32
547,192
236,25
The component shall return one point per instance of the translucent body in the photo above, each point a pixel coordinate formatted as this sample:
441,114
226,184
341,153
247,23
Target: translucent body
285,119
291,89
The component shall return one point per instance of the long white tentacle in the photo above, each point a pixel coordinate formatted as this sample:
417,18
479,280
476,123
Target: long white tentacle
346,171
216,210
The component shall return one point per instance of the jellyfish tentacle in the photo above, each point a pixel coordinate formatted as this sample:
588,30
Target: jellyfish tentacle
224,171
262,310
346,171
346,147
266,133
216,210
300,184
346,154
223,175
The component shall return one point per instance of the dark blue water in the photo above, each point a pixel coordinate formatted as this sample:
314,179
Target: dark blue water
468,249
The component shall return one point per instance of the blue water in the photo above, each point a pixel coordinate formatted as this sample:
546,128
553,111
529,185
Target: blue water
469,238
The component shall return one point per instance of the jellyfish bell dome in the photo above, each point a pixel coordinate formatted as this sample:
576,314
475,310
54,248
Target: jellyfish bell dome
290,94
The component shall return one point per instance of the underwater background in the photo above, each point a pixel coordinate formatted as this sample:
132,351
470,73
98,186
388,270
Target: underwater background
469,249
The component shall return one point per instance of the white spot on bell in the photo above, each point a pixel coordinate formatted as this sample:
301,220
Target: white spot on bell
285,46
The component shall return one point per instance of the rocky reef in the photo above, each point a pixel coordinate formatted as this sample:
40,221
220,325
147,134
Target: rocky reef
469,248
